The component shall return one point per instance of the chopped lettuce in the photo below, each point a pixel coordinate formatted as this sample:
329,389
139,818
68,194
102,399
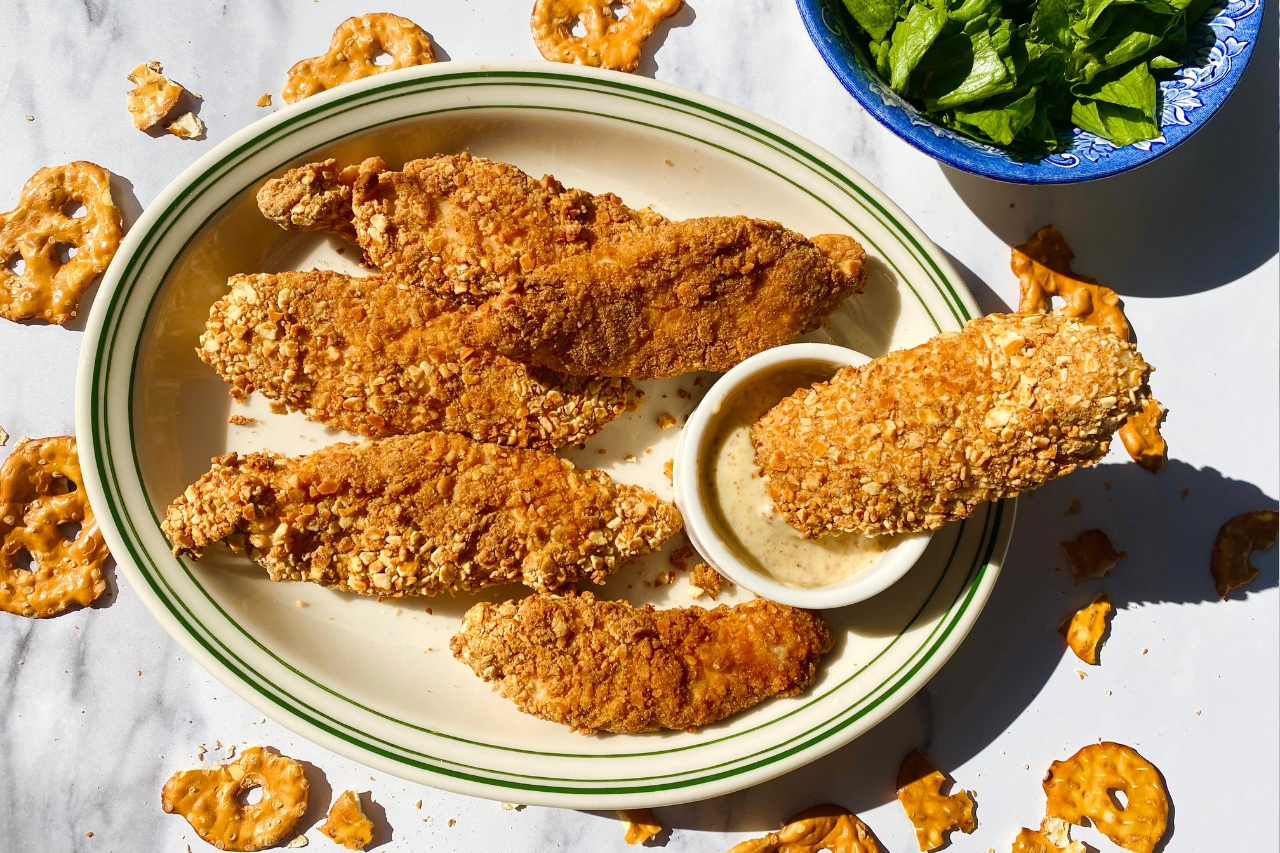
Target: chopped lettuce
1020,73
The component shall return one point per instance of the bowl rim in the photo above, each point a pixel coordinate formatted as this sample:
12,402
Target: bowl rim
1033,173
889,567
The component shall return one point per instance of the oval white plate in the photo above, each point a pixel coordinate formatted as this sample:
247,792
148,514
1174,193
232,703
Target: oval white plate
374,680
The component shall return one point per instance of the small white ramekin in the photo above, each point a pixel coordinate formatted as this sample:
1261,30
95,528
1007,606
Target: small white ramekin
686,474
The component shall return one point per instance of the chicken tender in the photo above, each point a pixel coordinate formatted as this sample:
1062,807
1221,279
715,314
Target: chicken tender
379,358
462,226
314,197
919,437
610,666
702,294
420,515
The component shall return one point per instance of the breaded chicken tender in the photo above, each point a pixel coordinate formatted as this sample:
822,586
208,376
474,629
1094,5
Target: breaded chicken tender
420,515
459,225
314,197
610,666
379,358
702,294
919,437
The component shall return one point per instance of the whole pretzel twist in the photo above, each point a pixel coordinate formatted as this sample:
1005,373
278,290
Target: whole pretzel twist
48,287
355,44
41,488
608,40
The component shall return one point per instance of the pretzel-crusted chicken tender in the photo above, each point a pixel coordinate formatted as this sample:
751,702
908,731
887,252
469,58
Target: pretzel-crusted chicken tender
465,226
380,358
701,294
420,515
920,437
314,197
610,666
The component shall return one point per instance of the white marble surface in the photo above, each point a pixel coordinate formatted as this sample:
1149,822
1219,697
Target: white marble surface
99,706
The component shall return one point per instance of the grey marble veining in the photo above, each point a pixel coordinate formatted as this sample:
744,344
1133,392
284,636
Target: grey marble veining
99,706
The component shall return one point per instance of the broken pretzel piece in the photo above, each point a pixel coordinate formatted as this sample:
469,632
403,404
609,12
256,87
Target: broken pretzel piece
826,827
1092,555
347,824
209,799
1085,628
353,51
40,490
1043,268
611,38
1083,787
1053,836
1236,540
153,97
1142,439
932,813
61,253
640,825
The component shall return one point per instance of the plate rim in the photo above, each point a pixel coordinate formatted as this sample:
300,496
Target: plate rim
557,76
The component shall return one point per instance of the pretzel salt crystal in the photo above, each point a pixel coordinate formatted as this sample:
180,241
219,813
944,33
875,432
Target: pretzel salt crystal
39,230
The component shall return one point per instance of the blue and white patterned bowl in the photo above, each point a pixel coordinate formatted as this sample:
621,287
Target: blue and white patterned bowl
1188,100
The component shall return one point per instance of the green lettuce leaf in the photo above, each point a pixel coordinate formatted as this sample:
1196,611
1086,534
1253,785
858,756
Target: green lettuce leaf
967,67
877,17
1000,120
1120,125
912,38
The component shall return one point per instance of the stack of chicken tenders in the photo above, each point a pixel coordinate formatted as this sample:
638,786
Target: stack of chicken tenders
506,317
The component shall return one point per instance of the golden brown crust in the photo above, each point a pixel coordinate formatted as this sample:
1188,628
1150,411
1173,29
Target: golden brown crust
39,228
920,437
40,489
465,226
420,515
379,358
313,197
610,666
701,294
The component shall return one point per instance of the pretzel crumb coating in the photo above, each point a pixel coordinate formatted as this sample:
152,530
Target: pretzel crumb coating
420,515
920,437
467,227
700,294
313,197
611,666
380,358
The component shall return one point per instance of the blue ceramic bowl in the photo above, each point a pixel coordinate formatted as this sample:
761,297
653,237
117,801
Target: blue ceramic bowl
1188,100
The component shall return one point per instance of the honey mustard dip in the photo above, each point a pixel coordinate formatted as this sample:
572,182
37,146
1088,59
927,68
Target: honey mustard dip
739,506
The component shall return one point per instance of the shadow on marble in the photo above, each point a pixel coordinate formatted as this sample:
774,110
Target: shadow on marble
648,64
1202,216
319,797
383,831
1015,647
988,300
